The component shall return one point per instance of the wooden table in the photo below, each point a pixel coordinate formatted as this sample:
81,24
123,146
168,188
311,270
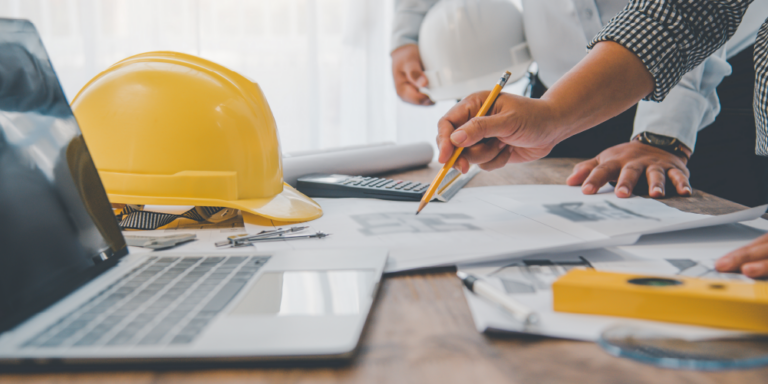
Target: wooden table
421,331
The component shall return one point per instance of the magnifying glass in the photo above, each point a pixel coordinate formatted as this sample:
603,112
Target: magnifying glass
664,349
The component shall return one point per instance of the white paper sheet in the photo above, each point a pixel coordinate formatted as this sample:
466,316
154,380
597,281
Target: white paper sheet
604,212
684,253
487,223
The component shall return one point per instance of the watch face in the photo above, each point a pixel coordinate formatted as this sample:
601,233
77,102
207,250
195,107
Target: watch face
659,140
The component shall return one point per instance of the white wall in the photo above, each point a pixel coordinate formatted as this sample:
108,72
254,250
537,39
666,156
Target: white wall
323,64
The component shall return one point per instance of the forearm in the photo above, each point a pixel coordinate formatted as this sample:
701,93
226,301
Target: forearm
642,53
608,81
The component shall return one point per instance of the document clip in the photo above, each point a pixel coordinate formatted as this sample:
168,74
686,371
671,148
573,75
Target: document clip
159,242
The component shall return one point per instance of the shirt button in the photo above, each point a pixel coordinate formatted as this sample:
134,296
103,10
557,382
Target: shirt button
588,13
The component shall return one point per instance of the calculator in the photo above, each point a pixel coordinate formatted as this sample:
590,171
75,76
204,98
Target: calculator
325,185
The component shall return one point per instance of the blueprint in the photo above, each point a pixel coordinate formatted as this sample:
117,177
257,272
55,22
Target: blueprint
383,223
579,211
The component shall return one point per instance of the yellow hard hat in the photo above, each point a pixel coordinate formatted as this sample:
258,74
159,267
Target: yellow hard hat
166,128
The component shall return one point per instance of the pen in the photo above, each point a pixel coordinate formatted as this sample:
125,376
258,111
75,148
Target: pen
449,164
520,312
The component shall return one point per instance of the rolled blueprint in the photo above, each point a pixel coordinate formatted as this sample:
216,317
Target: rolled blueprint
357,161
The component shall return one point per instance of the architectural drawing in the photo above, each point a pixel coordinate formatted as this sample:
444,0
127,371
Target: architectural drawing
605,210
373,224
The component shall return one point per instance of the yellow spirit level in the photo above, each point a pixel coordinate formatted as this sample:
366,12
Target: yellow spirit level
716,303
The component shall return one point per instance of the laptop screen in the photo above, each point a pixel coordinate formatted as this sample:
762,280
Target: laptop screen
56,223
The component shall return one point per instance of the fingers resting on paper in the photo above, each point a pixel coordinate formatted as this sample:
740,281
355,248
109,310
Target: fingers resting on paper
626,164
751,260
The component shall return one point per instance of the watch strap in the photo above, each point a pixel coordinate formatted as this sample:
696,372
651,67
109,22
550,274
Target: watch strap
678,148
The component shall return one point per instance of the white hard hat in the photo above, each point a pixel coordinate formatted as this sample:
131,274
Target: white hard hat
466,44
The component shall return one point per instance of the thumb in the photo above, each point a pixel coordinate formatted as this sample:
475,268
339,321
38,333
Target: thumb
416,76
477,129
422,81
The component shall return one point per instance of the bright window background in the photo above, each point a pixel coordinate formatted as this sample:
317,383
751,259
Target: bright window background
324,65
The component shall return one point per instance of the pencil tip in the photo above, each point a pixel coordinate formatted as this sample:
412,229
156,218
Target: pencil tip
417,212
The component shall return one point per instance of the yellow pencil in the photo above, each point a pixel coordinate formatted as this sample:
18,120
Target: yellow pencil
449,164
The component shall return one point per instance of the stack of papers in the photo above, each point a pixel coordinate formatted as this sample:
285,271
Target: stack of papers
481,224
496,223
521,239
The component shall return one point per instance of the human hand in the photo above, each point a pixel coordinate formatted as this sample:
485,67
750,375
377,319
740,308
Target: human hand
751,260
625,164
409,75
516,129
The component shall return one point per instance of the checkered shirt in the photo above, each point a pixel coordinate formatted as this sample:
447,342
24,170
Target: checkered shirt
672,37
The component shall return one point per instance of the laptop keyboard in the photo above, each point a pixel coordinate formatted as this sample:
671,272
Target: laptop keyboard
163,301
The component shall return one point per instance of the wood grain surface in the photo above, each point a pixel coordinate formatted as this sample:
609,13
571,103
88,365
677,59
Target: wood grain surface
421,331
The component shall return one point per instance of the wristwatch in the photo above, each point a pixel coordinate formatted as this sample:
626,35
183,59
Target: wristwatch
665,143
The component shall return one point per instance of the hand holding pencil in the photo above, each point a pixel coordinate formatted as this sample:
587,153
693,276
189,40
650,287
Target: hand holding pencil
449,164
517,129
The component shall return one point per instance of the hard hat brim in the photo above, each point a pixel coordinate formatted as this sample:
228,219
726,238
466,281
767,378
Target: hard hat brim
463,89
289,205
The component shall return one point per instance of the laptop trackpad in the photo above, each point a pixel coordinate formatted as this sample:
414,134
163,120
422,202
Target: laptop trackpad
309,293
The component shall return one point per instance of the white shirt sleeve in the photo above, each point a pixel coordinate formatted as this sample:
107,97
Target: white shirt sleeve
747,32
407,21
689,107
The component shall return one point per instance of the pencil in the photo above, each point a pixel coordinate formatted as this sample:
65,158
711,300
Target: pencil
449,164
487,291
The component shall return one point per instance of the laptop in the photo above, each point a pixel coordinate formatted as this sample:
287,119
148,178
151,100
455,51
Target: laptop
71,293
